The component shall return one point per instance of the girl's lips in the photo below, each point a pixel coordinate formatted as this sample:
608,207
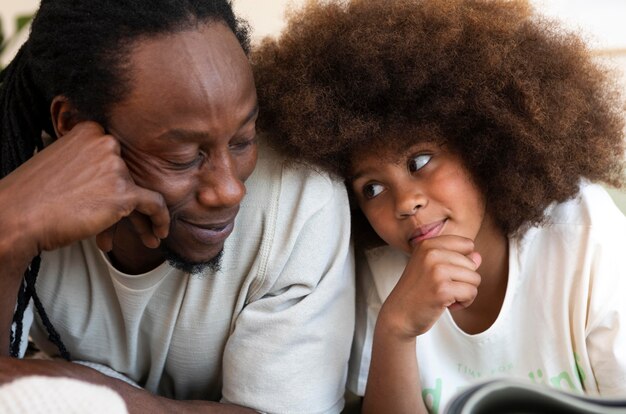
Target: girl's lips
427,231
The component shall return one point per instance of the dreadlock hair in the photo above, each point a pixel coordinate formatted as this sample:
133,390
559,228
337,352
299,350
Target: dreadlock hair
81,49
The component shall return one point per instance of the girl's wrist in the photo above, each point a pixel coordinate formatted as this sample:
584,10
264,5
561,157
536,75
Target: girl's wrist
393,325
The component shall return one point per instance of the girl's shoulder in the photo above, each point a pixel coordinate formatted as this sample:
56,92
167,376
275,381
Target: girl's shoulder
593,207
587,232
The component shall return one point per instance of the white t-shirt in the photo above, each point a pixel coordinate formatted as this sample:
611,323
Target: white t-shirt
270,331
560,323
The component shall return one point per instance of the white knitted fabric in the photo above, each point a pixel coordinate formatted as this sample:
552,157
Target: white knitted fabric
48,395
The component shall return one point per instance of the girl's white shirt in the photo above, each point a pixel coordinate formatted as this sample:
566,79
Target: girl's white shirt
560,322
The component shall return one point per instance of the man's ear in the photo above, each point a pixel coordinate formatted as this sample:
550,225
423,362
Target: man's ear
64,115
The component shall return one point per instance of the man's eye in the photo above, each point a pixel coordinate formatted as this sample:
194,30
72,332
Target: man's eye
187,164
243,144
417,162
372,190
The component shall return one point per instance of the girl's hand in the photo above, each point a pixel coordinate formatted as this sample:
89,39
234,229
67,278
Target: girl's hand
441,274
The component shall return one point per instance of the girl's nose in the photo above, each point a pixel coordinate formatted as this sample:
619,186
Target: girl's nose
409,202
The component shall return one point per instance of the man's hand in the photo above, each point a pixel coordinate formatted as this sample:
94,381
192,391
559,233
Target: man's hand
75,188
79,187
441,274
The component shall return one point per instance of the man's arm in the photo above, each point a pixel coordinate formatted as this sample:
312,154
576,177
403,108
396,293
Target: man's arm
75,188
15,254
137,400
290,344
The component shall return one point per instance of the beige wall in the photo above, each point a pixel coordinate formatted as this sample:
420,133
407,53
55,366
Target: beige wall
600,21
265,16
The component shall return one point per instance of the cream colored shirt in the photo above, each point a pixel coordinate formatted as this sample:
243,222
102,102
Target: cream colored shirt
270,331
561,323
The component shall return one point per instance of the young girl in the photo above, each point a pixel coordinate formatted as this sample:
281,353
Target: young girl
470,133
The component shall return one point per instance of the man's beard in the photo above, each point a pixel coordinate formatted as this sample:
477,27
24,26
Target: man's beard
177,261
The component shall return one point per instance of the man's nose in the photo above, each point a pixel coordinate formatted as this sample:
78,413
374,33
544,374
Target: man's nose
220,185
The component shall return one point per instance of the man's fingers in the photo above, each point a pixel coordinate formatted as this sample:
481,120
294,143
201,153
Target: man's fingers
149,218
142,226
104,239
152,205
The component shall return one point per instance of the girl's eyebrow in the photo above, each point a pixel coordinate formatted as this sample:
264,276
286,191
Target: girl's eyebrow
360,173
398,159
353,177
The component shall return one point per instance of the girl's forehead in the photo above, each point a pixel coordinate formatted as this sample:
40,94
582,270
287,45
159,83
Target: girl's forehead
391,151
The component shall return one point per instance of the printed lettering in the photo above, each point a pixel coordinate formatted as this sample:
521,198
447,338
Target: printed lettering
539,379
432,397
558,380
464,369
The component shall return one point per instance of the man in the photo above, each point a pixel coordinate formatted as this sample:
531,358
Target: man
157,262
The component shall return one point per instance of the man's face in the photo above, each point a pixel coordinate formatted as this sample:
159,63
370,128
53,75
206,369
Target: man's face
187,131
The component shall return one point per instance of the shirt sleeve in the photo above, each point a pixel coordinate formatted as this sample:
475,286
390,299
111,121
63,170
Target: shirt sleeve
368,305
606,333
289,348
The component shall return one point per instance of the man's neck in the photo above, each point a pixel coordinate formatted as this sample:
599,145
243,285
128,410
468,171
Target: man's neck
129,254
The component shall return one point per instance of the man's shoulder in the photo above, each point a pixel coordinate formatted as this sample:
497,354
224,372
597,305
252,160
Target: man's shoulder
295,183
293,222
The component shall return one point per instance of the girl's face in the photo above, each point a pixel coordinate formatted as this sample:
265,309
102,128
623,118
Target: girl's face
424,193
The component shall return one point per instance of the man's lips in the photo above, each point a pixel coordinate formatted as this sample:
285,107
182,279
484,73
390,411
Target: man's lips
209,233
427,231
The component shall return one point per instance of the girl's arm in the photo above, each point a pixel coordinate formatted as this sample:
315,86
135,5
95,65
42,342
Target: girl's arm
393,383
440,274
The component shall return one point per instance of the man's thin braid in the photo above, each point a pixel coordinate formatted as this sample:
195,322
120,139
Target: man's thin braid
18,316
20,122
90,74
53,335
27,291
21,127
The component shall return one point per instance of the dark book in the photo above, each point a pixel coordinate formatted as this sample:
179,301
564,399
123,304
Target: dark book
505,396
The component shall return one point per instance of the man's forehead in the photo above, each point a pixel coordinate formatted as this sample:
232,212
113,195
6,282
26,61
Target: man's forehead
205,88
187,134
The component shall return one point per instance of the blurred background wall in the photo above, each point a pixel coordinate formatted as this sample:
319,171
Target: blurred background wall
601,22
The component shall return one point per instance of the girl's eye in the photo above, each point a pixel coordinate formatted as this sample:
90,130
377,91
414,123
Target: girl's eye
372,190
418,162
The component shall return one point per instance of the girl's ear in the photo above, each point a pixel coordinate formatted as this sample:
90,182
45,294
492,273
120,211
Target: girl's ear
64,115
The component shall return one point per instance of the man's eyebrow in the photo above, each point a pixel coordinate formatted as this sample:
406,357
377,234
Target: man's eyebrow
183,134
254,112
